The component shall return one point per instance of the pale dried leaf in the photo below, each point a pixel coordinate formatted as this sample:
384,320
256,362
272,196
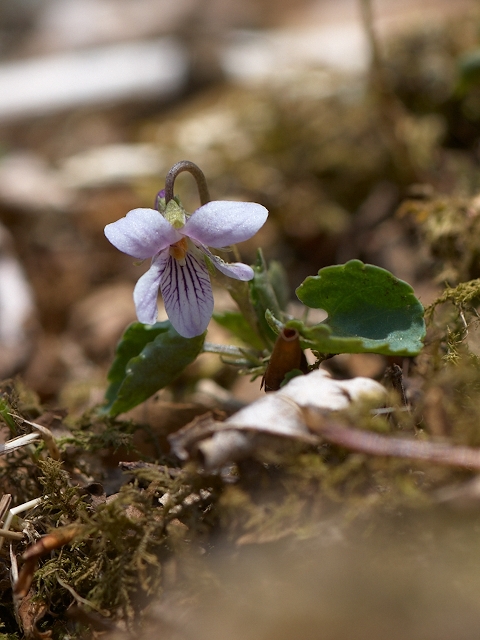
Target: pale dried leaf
276,414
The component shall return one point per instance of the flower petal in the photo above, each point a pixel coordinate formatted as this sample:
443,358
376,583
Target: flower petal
187,294
221,223
142,233
236,270
145,293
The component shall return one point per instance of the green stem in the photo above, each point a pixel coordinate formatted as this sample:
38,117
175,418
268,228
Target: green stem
223,349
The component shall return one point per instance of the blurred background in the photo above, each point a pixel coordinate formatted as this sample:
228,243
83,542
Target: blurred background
330,118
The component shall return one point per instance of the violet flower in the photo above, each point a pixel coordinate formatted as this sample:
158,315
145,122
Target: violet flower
177,244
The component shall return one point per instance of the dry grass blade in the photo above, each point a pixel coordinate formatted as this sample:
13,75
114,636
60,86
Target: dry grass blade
5,502
46,434
4,531
17,443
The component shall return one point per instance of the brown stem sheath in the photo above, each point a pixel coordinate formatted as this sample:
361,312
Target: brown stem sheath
286,355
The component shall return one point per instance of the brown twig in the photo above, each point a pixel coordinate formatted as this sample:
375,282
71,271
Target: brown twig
5,502
390,111
394,376
380,445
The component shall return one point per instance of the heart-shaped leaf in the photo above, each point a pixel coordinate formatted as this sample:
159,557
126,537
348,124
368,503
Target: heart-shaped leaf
369,310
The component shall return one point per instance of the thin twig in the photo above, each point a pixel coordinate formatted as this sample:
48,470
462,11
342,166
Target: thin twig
79,598
381,445
5,505
11,535
390,110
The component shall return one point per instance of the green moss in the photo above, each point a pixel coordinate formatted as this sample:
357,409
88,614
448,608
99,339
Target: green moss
93,433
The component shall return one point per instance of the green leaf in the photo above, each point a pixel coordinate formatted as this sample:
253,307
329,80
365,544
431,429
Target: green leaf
369,310
468,72
263,297
279,281
148,358
293,373
236,323
133,341
5,411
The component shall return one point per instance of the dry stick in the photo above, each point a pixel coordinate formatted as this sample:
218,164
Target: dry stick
11,535
390,111
4,510
380,445
5,502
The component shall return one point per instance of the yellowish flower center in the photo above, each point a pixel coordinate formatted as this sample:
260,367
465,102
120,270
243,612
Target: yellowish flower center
179,250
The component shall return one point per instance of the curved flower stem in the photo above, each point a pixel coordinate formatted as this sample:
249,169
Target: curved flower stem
203,192
197,173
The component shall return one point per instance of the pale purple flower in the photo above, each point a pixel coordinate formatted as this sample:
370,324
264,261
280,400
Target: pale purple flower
178,253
